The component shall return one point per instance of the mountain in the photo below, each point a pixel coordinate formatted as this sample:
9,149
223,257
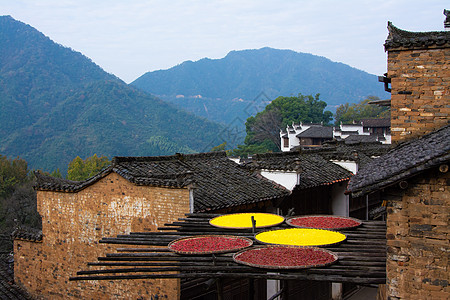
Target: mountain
223,89
56,104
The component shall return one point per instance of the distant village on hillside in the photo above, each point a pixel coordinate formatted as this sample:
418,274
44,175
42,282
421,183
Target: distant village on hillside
385,180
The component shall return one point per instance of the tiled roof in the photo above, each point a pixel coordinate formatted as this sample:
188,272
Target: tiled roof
376,122
317,132
353,139
29,234
340,150
404,161
447,18
386,102
361,153
349,132
314,169
415,40
219,182
9,290
44,182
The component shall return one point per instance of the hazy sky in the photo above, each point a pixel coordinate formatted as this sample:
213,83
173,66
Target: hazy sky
130,37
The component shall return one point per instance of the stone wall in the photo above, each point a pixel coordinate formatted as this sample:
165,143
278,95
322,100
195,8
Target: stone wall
72,225
420,96
418,238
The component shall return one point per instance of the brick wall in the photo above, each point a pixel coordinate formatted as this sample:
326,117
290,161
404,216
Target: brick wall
418,238
426,75
72,225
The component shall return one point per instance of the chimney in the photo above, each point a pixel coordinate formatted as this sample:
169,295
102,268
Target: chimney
447,19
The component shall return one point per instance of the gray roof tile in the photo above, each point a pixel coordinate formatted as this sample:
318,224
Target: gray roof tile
8,288
386,122
220,182
314,169
415,40
404,161
317,132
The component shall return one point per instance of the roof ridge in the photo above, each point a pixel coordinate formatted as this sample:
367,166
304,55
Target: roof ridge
406,160
276,154
406,33
46,182
177,156
399,38
42,177
27,233
406,143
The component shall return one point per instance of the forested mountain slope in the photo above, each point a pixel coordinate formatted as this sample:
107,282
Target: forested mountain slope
56,104
222,89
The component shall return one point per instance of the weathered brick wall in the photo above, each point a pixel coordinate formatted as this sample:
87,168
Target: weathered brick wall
27,262
418,239
426,75
72,225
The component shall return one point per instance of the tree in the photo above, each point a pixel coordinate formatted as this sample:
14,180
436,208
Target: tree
80,169
12,173
219,148
56,173
263,130
21,207
17,198
347,113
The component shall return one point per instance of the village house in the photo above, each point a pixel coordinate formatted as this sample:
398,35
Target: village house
376,129
317,185
134,194
138,194
413,178
313,135
318,177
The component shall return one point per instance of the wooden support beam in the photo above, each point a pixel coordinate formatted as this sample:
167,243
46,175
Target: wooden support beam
278,276
362,257
164,249
228,269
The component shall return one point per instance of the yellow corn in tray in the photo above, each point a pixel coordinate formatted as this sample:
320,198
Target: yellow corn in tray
300,237
243,220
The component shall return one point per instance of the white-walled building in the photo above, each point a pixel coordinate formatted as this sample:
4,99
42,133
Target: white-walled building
318,177
313,135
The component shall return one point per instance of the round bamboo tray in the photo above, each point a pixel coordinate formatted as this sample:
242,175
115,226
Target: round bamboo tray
202,241
243,220
302,237
325,218
285,257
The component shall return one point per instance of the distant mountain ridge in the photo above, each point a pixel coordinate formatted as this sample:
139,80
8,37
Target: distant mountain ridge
246,74
56,104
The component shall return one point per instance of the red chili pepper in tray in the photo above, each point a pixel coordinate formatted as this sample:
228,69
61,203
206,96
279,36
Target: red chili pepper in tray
209,244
